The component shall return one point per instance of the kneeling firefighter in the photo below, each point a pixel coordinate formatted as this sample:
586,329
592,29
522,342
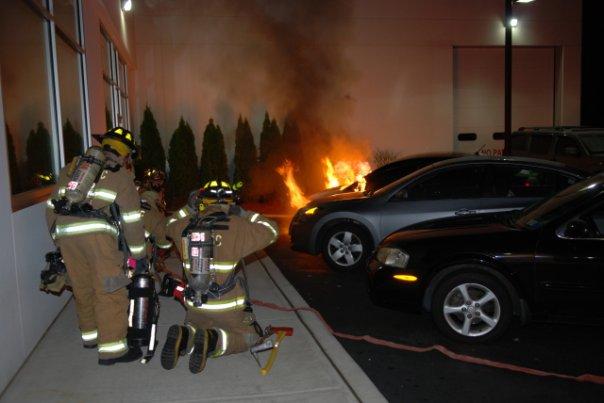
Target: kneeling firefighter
215,234
94,218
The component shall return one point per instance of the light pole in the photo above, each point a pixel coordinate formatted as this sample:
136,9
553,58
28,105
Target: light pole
510,23
508,78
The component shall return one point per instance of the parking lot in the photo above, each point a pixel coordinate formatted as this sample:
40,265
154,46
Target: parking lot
571,349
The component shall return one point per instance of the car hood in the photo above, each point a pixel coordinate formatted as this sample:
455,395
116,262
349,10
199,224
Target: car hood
487,224
338,197
325,193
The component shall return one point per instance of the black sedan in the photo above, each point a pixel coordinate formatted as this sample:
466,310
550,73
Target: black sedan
475,274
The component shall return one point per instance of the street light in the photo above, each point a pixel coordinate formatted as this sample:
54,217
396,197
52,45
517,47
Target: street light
126,5
510,22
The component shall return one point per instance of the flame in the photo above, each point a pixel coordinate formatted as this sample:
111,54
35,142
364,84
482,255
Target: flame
296,196
343,173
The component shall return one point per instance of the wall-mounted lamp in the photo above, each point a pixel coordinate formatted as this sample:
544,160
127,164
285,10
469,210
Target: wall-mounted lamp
513,22
126,5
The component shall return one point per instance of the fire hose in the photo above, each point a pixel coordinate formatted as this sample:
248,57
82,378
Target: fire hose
597,379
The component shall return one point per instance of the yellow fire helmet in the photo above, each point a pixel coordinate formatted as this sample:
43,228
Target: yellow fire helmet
217,191
121,140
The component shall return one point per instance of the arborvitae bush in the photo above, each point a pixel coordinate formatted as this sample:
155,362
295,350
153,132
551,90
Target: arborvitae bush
182,159
213,163
152,150
245,153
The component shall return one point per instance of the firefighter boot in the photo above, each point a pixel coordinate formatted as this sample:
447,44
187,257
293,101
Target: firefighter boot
204,343
176,346
133,354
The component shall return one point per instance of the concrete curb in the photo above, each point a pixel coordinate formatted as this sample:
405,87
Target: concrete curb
358,382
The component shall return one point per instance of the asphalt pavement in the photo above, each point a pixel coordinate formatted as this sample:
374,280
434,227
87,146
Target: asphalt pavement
411,377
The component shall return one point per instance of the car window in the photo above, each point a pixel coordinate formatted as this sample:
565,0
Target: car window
454,183
527,181
594,142
589,225
596,217
540,144
519,142
546,210
568,147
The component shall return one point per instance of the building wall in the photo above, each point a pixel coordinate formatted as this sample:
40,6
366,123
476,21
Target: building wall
400,55
25,312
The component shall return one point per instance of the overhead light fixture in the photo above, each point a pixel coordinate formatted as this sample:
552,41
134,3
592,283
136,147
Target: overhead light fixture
524,1
126,5
513,22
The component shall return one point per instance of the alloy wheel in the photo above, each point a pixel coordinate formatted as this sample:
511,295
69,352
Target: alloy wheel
471,309
345,248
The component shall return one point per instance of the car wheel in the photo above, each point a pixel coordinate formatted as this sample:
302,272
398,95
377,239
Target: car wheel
472,307
345,248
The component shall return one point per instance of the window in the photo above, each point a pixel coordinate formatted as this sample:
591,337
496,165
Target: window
115,75
594,142
455,183
524,181
42,75
540,144
567,147
519,142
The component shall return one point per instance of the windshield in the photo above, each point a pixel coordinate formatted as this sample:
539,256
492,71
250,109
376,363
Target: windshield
544,211
594,142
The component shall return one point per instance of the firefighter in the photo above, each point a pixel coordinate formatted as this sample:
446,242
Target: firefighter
225,324
154,211
96,236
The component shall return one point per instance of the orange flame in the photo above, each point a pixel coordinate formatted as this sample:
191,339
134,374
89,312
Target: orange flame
343,173
296,196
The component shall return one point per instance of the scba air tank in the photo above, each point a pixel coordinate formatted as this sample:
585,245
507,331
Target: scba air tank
142,309
85,175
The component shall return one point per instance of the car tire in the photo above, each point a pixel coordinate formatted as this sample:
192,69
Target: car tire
466,321
346,247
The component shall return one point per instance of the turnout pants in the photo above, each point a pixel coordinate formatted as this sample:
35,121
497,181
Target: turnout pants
95,267
235,326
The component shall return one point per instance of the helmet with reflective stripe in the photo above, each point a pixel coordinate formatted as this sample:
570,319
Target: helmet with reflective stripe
120,140
216,191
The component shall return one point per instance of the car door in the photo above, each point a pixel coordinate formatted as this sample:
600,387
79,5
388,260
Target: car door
516,186
569,269
447,192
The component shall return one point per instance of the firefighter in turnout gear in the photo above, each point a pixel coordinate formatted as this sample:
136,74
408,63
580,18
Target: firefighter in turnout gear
223,323
154,209
94,217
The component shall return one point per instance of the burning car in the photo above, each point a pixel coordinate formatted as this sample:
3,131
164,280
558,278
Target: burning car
386,174
345,227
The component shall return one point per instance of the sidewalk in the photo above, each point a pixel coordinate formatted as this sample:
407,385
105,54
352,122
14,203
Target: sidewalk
312,365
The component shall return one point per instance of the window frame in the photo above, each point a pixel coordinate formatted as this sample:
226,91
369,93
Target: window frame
45,11
119,95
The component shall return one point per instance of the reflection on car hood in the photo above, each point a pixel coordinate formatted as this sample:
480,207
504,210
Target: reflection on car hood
341,197
325,193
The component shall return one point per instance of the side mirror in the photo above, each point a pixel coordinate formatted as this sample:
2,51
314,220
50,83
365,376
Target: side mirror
577,229
571,151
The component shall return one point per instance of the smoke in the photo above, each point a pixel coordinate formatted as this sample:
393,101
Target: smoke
222,58
308,77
